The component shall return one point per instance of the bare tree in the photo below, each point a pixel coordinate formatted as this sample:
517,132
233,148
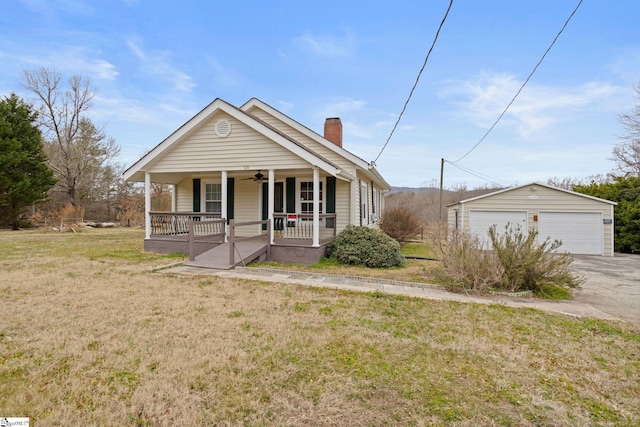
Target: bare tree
569,183
566,183
425,202
627,153
77,149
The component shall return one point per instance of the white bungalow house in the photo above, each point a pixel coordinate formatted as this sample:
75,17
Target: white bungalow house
253,173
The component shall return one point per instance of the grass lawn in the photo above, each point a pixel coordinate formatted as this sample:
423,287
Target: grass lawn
413,270
89,336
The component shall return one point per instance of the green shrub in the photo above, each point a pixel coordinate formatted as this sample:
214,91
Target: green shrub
626,192
364,246
400,223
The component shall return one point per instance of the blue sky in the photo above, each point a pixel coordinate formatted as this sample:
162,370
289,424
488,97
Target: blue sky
157,63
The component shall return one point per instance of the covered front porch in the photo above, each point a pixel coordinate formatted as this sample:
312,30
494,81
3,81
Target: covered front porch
298,206
284,238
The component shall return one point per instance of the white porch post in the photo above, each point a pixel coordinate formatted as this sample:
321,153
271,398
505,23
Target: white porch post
316,208
147,204
271,202
223,202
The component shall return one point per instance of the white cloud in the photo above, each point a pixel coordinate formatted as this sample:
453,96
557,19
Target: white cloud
157,64
49,8
223,75
136,50
68,60
536,108
626,65
102,69
327,46
368,129
285,106
107,108
359,120
357,130
338,106
138,124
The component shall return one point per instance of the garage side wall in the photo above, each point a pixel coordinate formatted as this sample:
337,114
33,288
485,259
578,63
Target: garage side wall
534,199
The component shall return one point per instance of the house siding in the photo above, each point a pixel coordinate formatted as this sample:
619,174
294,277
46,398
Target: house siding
244,148
247,206
367,188
184,192
343,202
533,202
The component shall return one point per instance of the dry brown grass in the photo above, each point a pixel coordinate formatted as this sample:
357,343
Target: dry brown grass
418,271
88,336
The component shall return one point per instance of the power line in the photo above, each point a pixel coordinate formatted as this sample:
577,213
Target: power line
417,79
478,174
523,85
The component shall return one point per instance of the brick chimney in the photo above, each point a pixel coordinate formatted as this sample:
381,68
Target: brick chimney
333,130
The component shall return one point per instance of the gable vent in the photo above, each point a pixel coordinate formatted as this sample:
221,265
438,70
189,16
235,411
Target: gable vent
223,128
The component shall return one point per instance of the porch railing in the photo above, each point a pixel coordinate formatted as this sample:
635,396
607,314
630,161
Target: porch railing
300,226
285,226
234,240
213,230
176,223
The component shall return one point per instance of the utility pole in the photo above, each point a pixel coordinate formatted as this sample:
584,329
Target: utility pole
441,177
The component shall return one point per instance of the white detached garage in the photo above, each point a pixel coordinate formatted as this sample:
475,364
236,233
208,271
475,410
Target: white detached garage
583,223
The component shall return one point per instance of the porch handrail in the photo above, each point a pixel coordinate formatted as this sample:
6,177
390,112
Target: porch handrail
176,223
300,226
232,239
208,229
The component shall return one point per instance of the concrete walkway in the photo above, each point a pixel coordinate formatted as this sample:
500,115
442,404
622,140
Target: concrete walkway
419,290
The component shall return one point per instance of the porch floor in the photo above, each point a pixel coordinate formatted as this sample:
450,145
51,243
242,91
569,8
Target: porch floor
218,257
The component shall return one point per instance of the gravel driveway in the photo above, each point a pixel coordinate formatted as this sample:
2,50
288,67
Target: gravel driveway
612,284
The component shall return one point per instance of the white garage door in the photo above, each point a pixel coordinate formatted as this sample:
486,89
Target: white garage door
580,232
481,221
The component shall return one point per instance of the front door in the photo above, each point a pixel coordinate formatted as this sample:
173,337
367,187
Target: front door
278,202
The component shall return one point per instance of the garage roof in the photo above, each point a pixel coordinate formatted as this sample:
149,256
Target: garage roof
534,184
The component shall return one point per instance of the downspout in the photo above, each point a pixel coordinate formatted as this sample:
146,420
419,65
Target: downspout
373,204
613,228
360,200
354,202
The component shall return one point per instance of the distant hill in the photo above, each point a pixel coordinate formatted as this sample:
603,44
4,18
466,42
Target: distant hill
416,190
426,201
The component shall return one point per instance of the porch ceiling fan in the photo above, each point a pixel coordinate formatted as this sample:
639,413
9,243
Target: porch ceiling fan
258,177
